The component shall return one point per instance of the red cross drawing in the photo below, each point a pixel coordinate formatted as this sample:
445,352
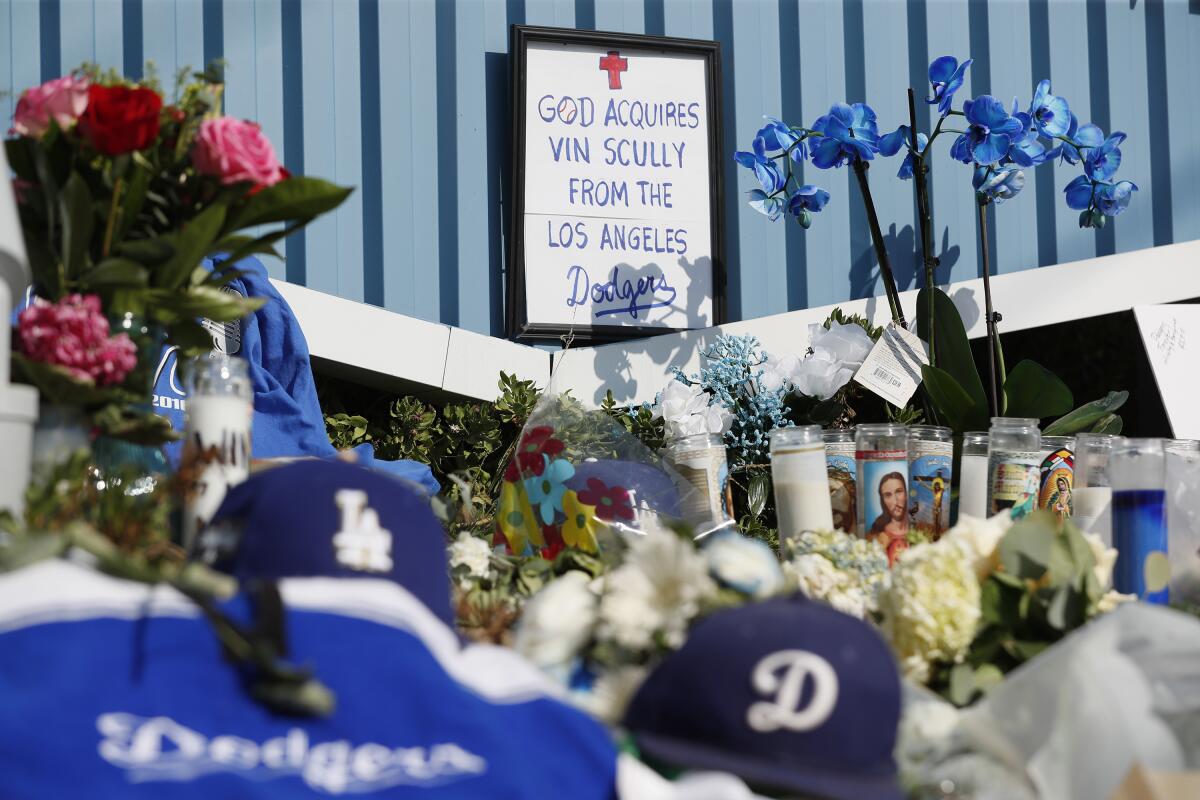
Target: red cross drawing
614,65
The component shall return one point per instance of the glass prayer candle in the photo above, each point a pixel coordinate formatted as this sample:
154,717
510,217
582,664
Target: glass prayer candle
1014,465
801,481
881,456
1092,493
930,467
1139,511
1057,475
701,461
973,476
843,479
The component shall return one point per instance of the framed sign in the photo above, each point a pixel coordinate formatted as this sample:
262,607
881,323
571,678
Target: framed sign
616,227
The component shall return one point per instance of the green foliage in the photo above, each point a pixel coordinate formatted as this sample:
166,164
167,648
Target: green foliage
639,421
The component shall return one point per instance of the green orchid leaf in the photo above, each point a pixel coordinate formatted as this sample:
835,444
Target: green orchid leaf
75,208
1084,417
297,197
1112,424
953,348
954,404
1034,391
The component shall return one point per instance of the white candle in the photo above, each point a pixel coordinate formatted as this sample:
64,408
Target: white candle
801,480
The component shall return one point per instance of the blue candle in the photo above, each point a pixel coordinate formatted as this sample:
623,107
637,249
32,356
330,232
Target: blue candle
1140,529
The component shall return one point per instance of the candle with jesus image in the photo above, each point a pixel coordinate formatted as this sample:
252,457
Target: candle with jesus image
882,460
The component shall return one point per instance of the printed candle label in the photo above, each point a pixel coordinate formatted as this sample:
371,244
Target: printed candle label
1014,477
929,472
707,472
843,490
218,428
1058,478
801,489
883,499
1140,536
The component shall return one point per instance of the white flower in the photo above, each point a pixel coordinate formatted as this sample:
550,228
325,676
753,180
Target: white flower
813,574
609,695
746,565
1106,559
557,622
978,540
656,592
847,343
686,411
926,732
821,375
473,553
1112,600
779,374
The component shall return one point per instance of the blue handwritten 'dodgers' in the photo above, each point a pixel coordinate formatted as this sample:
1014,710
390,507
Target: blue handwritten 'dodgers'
632,295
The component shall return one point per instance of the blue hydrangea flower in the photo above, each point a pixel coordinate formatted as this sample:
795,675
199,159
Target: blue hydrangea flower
763,167
890,144
990,133
1083,137
850,133
806,201
946,77
777,135
546,491
770,205
1101,162
1050,114
998,183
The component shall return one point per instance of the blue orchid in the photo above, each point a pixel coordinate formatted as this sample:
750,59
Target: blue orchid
546,490
1097,199
850,133
778,135
1050,114
1082,137
998,183
1029,151
764,167
1101,162
990,134
946,77
806,201
890,144
1079,193
769,205
1113,198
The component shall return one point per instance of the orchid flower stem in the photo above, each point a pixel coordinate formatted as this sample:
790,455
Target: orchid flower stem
924,219
993,335
885,264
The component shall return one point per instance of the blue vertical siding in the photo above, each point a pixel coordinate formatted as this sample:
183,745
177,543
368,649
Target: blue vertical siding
409,101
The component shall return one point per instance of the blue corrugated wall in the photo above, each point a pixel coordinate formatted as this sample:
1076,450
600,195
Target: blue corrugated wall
408,100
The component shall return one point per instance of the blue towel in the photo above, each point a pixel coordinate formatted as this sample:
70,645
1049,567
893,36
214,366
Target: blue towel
113,689
287,416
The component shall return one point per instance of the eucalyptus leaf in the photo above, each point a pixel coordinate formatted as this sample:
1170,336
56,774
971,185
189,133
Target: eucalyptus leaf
962,684
1034,391
987,677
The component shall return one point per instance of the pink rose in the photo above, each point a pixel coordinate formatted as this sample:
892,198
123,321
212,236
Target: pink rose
74,334
61,100
236,152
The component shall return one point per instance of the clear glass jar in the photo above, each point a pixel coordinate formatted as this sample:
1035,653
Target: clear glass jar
973,476
881,456
842,470
1138,472
217,440
930,473
1181,446
701,462
1057,480
1092,492
1014,465
800,480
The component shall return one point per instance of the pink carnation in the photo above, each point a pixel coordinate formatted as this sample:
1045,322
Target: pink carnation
73,333
236,151
61,100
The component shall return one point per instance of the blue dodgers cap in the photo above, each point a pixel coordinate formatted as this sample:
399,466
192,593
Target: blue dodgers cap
330,518
788,694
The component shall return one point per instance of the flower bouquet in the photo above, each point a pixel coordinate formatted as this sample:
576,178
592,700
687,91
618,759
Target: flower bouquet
121,195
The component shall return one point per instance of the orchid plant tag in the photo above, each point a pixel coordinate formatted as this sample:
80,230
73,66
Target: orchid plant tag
893,367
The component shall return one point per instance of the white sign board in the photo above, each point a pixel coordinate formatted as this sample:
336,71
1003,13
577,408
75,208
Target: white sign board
1171,334
615,181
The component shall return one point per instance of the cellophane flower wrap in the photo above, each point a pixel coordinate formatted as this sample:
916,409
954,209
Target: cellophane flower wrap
575,474
123,190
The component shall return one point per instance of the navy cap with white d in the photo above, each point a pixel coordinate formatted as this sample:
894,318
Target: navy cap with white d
329,518
788,694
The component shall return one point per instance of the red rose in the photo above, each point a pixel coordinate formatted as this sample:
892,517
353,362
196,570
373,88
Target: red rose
119,119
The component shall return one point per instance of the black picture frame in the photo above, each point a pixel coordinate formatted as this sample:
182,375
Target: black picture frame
517,324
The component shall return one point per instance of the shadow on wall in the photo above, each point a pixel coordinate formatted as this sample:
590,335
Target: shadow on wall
613,365
905,253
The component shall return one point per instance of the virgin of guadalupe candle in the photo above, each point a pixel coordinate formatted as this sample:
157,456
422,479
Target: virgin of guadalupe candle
216,441
1014,465
930,467
701,461
973,476
843,479
800,479
1057,475
1140,519
882,460
1092,493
